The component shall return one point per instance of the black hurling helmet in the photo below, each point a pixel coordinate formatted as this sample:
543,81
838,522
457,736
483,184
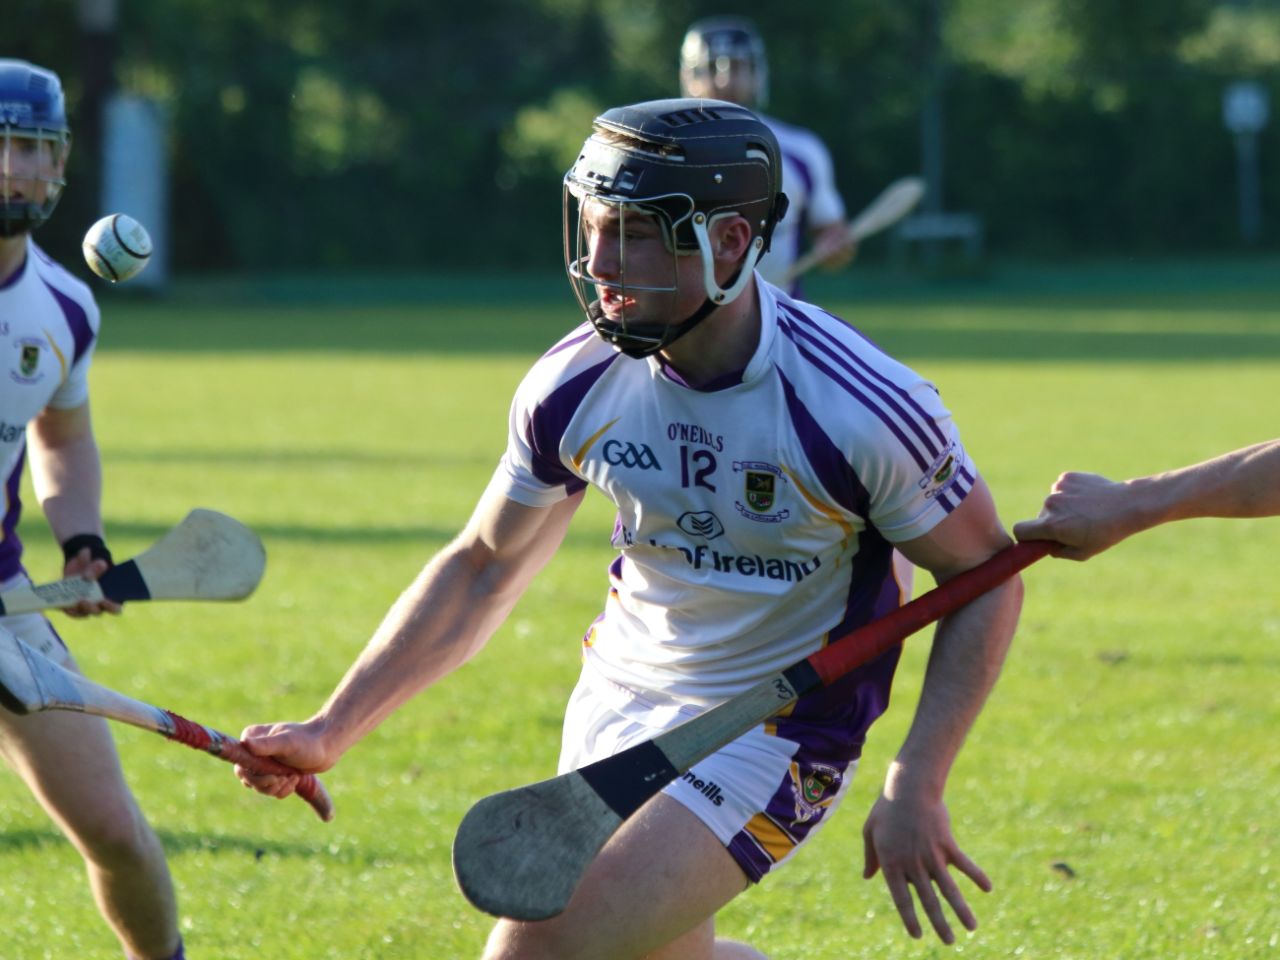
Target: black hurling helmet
684,163
32,107
717,45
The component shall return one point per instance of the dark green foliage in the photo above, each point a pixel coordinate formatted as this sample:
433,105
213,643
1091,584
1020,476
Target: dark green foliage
310,135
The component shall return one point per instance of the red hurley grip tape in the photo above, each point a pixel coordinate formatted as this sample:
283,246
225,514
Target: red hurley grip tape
866,643
230,749
192,734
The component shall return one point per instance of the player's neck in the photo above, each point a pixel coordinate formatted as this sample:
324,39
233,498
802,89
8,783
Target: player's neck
722,344
13,251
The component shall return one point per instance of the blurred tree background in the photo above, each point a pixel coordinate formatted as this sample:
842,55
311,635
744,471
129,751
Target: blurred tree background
389,134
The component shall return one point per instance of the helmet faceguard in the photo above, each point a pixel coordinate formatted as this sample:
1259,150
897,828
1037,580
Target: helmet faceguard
34,143
721,55
677,166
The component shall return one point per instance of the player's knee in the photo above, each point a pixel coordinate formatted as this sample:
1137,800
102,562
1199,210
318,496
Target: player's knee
734,950
545,940
116,837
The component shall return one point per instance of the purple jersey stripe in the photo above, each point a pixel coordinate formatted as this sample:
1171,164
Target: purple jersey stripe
837,475
77,321
924,421
546,425
954,495
11,546
861,397
834,720
570,341
921,424
802,228
751,857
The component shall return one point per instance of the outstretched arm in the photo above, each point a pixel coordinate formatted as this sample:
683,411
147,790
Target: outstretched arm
908,835
1088,513
443,618
66,474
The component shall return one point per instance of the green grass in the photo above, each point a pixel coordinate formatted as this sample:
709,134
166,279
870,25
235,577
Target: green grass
1131,738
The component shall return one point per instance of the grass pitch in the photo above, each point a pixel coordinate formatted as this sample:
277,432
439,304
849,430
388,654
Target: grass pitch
1121,787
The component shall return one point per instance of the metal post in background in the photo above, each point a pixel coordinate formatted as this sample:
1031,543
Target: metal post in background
1246,109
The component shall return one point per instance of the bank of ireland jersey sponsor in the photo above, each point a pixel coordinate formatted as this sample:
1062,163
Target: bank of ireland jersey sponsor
716,527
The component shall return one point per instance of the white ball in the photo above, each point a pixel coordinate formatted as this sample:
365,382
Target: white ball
117,247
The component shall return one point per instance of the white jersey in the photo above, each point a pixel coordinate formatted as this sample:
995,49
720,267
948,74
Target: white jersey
753,516
808,180
48,329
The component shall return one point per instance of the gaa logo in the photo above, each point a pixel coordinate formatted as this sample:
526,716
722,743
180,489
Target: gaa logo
626,454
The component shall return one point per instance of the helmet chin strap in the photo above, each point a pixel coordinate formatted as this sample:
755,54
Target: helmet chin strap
717,296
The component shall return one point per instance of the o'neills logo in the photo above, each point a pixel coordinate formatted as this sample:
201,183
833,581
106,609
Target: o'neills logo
707,788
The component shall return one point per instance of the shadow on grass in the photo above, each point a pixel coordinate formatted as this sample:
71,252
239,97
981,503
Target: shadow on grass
429,537
350,852
1031,344
15,841
188,842
329,457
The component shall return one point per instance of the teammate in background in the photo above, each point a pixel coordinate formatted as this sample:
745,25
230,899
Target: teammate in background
49,326
764,459
723,58
1087,513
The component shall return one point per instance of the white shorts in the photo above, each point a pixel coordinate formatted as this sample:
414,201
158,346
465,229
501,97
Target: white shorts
34,629
763,795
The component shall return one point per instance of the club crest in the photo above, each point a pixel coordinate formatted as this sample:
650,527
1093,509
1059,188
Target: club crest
815,789
28,361
944,471
759,490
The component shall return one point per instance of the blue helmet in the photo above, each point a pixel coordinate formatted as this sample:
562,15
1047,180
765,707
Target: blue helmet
34,142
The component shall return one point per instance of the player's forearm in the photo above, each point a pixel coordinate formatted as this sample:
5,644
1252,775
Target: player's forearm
67,480
1243,483
968,652
443,618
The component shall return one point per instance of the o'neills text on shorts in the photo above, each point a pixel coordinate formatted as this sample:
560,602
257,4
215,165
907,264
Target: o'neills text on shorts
707,788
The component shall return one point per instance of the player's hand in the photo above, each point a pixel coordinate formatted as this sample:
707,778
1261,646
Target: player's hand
909,841
835,246
300,745
84,565
1085,513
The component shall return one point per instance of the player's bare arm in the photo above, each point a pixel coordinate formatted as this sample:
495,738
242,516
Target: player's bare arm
908,834
443,618
1088,513
66,474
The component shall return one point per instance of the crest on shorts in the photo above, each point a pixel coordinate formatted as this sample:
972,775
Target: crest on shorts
816,788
